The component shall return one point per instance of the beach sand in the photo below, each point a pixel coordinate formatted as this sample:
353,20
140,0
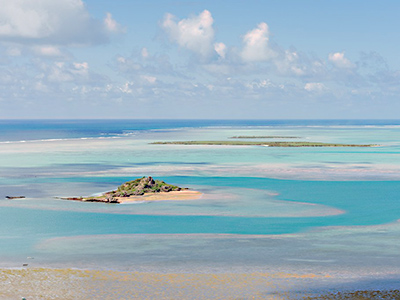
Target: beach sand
170,196
47,283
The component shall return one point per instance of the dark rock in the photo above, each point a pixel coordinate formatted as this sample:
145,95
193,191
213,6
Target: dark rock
110,199
74,198
166,188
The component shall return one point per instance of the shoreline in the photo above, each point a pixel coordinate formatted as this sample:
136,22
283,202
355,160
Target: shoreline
73,283
182,195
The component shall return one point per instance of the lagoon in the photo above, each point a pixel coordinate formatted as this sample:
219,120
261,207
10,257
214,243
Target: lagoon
315,210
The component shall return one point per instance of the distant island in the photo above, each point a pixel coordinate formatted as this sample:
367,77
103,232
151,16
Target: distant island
265,144
264,137
141,189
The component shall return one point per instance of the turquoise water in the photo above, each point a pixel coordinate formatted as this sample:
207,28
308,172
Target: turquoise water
247,191
365,203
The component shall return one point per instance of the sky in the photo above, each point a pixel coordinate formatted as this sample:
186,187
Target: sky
182,59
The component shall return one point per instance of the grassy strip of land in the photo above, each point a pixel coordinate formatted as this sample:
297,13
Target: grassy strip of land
268,144
264,137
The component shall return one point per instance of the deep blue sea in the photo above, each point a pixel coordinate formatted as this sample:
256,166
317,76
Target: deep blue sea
321,204
20,130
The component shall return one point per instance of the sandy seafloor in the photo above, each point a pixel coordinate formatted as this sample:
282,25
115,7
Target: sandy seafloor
273,223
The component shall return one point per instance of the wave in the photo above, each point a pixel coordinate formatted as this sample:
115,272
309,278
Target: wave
102,135
58,140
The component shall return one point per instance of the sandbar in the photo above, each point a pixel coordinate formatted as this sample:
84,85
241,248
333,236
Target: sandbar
163,196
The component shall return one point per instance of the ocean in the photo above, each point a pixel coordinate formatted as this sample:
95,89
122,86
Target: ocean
322,210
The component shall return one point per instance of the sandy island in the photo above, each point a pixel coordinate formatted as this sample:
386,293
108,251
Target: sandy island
140,190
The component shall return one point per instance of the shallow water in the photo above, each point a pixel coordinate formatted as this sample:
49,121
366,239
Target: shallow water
295,208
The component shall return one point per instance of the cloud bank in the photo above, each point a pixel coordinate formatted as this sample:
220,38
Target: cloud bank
49,22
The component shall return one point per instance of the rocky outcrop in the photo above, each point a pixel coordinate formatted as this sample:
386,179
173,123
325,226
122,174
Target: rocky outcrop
143,186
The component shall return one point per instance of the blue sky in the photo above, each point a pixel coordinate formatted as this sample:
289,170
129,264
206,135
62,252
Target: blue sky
199,59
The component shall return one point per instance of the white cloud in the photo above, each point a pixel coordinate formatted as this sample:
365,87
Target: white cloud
256,45
220,48
80,68
21,19
59,73
149,79
315,87
297,64
126,88
121,59
111,24
195,33
290,64
339,61
47,51
49,22
260,84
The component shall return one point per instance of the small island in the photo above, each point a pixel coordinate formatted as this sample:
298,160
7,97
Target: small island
142,189
265,144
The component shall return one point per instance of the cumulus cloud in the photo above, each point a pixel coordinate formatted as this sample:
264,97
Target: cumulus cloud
80,68
220,48
290,64
256,45
59,73
194,33
62,72
293,63
111,25
49,22
339,61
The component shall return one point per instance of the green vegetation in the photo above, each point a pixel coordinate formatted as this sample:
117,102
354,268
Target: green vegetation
141,186
268,144
264,137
